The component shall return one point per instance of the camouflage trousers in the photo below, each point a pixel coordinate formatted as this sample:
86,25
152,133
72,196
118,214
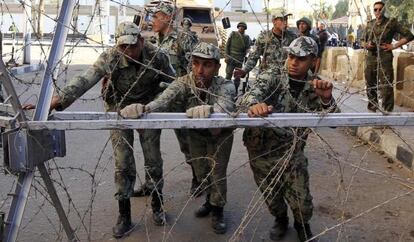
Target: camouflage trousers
379,76
182,137
125,169
283,181
211,156
231,65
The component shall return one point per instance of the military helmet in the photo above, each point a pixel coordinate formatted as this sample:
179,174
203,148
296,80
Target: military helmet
206,51
303,46
242,24
280,13
187,20
127,33
164,7
305,20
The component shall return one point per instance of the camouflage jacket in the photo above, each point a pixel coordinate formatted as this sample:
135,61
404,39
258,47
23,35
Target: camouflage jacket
182,94
179,45
237,46
385,31
270,47
286,96
128,82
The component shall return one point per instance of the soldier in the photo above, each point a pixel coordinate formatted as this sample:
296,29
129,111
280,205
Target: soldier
304,26
179,45
200,93
132,69
269,44
378,38
237,47
277,155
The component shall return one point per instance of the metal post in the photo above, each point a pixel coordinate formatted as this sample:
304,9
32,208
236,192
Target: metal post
27,11
41,114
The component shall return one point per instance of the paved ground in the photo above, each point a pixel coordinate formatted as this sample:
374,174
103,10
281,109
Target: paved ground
358,195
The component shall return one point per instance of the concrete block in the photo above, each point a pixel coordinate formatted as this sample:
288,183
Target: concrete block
405,96
331,55
400,62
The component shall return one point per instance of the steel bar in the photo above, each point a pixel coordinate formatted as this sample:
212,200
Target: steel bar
178,121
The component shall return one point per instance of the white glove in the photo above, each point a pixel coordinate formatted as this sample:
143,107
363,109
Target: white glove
202,111
135,110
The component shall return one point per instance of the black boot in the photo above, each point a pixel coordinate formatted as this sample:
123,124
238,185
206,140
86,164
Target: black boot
279,229
196,188
217,220
123,226
205,209
158,214
143,191
304,231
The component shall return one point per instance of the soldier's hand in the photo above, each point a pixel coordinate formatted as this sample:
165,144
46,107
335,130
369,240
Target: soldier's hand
135,110
259,110
387,47
239,73
202,111
53,104
323,89
28,106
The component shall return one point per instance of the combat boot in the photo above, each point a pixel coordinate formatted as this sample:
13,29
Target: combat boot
123,226
217,220
143,191
304,232
279,229
158,214
204,210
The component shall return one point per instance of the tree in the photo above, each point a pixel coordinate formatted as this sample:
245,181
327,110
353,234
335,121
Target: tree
402,10
341,9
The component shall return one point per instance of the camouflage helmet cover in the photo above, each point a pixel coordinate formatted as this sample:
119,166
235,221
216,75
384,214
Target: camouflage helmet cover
164,7
242,24
127,33
303,46
206,51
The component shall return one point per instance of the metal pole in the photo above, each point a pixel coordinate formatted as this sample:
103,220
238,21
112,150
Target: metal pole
27,11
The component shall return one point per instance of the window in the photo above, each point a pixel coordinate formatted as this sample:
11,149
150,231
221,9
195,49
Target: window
199,16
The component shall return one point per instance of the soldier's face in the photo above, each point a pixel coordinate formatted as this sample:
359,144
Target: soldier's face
241,29
298,66
303,27
160,21
132,51
378,10
204,70
280,23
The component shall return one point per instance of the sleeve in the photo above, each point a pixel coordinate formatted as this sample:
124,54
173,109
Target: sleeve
225,99
260,91
256,53
228,44
170,99
167,70
81,84
403,31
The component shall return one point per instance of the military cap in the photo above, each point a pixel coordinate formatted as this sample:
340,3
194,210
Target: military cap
207,51
166,8
303,46
280,13
188,20
242,24
305,20
127,33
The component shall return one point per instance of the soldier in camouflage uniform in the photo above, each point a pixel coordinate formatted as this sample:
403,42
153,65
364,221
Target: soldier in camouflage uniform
237,46
132,73
199,93
277,155
304,26
179,45
379,72
269,44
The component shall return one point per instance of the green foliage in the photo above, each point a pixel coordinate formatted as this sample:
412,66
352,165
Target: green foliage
341,9
403,10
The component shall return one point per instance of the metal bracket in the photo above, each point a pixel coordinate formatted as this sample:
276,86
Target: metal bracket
25,149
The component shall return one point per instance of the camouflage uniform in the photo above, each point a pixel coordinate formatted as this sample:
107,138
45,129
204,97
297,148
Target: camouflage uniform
377,35
128,83
210,152
277,155
270,47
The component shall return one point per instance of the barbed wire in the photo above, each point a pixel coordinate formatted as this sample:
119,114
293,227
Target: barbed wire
96,174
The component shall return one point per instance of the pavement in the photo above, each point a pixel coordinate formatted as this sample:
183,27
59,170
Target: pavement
396,142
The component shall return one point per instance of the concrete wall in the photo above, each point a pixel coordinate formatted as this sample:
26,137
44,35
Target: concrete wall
346,65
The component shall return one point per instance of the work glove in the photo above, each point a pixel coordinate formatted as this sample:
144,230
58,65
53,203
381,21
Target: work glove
201,111
135,110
